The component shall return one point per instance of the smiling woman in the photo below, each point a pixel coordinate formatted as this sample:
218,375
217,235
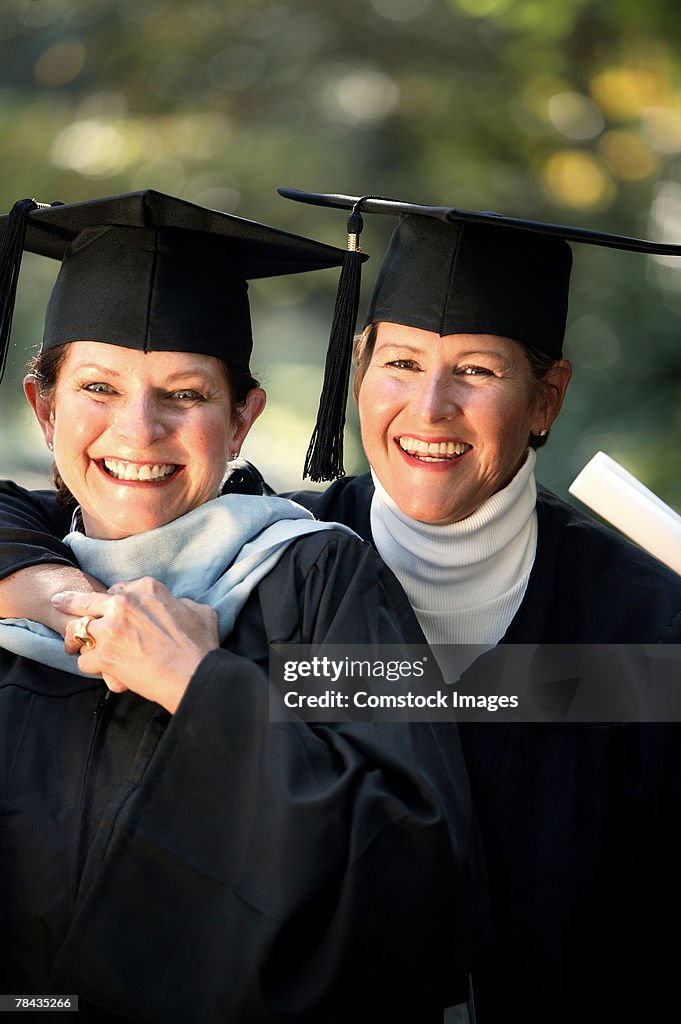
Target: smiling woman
460,376
169,853
139,438
446,421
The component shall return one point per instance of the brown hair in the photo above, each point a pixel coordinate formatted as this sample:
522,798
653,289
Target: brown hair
538,364
46,367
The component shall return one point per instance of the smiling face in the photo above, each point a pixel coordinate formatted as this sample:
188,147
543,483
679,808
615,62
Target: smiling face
445,421
140,438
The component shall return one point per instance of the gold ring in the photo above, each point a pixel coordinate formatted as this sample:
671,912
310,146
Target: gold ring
81,633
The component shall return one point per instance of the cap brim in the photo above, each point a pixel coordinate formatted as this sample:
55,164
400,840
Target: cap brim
377,204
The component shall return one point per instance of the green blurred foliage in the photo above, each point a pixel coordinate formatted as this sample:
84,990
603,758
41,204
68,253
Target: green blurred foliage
566,112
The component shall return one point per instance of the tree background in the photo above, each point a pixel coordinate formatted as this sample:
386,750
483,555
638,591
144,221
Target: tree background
567,112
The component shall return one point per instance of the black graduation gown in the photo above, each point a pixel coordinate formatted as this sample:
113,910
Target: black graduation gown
213,866
581,824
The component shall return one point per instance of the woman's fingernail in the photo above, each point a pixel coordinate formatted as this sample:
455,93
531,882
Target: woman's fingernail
57,598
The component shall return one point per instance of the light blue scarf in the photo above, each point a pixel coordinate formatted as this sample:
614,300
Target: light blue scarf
216,554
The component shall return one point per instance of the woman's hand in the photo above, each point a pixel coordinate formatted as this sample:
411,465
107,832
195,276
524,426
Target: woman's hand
145,640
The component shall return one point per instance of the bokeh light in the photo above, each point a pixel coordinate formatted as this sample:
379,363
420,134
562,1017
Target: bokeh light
93,148
358,96
628,156
60,64
662,128
623,93
578,179
574,115
665,220
40,13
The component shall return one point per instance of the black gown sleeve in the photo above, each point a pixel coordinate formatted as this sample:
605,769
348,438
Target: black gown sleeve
266,871
31,523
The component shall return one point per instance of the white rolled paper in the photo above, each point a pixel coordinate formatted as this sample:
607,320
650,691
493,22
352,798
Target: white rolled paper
621,499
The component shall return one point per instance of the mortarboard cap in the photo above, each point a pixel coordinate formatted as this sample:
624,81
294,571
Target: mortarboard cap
453,271
149,271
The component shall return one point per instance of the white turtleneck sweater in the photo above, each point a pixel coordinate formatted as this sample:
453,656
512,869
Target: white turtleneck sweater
465,580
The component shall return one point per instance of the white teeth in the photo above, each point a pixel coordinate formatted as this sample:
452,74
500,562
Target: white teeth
131,471
436,450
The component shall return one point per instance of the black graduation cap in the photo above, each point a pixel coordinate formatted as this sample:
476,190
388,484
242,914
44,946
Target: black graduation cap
149,271
452,271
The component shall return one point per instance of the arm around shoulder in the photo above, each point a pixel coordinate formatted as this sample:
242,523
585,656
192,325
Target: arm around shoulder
34,563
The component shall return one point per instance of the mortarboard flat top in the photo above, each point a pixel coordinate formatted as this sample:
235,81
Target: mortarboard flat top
377,204
150,271
260,251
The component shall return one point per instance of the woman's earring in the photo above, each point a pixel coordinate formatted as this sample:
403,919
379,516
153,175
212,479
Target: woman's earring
50,446
235,455
543,433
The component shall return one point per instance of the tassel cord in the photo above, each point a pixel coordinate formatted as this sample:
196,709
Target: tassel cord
11,251
324,459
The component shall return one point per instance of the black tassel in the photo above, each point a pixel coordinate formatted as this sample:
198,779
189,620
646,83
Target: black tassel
324,459
11,251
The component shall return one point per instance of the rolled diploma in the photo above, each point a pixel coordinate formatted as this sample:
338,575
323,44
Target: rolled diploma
621,499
